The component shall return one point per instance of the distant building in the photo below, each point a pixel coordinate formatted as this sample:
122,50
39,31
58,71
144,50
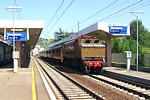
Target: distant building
36,50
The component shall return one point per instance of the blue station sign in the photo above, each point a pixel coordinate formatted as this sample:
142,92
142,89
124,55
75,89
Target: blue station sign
19,36
118,29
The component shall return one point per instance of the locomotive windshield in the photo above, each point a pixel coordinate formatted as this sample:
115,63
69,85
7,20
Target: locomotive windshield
96,41
87,41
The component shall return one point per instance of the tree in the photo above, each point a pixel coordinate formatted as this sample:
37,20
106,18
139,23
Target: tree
144,35
133,29
60,35
129,43
44,42
121,44
115,47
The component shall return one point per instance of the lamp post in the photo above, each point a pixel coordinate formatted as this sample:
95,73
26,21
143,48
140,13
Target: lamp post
14,9
136,13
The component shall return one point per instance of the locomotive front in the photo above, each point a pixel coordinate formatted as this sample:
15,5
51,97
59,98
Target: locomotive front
92,54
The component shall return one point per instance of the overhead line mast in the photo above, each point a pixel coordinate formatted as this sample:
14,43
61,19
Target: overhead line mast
18,12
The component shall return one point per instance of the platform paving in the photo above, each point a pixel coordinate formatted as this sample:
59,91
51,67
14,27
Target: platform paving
18,86
15,86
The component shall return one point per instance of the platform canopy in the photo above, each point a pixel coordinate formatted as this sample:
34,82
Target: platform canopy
100,30
33,27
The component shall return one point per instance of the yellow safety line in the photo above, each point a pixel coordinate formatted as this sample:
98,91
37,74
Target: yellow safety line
33,83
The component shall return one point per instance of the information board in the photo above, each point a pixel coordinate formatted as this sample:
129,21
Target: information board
19,36
118,29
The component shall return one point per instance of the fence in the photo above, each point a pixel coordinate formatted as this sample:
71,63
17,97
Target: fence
120,58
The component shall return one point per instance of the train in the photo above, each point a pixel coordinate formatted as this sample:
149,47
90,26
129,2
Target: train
5,53
84,53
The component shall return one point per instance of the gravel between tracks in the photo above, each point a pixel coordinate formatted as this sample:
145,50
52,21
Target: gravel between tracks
106,91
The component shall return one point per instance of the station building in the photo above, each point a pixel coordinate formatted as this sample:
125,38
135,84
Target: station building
26,33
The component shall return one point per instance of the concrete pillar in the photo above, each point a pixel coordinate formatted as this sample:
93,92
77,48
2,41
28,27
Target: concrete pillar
18,48
108,50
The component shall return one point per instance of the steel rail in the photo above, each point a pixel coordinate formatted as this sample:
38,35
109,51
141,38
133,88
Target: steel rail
122,87
127,81
98,97
125,88
64,95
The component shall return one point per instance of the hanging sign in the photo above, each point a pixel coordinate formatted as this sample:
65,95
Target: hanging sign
19,36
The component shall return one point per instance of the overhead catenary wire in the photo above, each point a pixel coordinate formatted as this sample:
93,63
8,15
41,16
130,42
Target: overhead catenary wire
95,13
99,11
123,10
135,8
61,15
110,14
54,14
120,10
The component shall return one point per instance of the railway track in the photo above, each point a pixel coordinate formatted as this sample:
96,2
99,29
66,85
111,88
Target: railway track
98,87
123,85
140,90
142,85
65,87
145,88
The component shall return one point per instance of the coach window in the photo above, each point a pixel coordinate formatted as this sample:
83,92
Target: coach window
87,41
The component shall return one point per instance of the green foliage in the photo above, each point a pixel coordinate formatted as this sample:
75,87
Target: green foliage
116,47
60,35
44,42
145,50
129,43
120,45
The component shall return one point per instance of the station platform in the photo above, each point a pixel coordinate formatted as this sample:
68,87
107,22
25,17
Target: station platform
137,76
19,85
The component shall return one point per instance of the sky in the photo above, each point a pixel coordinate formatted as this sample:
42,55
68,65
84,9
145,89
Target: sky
66,14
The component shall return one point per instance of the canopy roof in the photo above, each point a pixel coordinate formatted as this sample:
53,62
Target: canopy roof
34,27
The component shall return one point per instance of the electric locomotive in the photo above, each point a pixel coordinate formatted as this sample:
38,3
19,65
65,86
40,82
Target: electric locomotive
84,53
